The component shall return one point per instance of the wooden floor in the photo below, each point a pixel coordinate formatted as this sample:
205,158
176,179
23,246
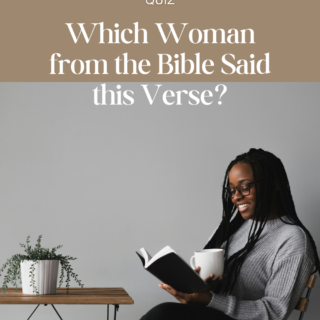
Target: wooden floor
75,296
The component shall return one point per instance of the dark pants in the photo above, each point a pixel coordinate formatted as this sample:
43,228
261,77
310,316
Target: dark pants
178,311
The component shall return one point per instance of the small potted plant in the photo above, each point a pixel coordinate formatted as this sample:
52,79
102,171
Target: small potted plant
37,269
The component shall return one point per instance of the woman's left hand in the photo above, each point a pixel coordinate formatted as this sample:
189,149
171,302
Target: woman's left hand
200,298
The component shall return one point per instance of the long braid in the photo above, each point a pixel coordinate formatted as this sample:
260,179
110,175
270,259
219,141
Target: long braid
271,174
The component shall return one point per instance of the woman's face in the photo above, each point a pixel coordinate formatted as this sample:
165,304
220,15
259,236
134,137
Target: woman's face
240,174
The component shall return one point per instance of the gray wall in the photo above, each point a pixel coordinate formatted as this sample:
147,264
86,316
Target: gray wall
105,181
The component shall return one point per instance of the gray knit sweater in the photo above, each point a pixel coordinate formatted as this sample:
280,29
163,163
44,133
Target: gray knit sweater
272,277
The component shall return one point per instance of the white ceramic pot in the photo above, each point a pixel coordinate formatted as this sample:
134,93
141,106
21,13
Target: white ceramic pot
45,276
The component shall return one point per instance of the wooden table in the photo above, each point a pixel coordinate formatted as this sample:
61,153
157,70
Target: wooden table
114,296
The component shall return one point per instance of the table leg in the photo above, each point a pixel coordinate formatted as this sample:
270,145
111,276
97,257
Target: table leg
116,308
56,312
34,311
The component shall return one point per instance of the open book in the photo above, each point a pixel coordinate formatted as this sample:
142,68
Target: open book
171,269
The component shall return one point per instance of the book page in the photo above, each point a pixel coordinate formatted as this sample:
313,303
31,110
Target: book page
166,250
146,255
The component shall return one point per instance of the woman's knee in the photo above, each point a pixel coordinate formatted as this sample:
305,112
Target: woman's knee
163,311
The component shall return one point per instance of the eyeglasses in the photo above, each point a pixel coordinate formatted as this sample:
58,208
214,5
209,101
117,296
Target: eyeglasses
243,189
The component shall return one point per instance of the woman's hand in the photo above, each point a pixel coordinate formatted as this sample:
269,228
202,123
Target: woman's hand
200,298
212,284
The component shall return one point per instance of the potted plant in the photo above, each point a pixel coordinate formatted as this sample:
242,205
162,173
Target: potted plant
37,269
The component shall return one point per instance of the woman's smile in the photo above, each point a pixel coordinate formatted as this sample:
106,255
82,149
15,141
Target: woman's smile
243,207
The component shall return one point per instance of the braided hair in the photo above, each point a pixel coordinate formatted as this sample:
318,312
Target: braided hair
272,176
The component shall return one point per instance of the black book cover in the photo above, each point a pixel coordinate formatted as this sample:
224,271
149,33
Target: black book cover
175,272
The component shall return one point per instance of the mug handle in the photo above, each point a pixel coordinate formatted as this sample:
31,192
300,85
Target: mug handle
192,262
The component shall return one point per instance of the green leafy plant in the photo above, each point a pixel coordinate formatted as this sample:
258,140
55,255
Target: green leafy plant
36,254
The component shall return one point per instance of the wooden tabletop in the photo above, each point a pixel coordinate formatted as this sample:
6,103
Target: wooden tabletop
75,296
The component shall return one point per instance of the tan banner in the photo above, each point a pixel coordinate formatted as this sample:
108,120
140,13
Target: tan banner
160,40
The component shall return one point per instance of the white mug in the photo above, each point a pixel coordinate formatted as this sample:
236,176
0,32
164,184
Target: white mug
210,261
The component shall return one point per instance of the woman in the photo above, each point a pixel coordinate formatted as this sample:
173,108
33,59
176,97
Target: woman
269,253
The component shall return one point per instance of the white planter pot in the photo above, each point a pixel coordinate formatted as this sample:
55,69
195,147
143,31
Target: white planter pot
45,276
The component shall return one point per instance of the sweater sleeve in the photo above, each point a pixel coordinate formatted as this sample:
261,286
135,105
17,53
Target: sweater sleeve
282,293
